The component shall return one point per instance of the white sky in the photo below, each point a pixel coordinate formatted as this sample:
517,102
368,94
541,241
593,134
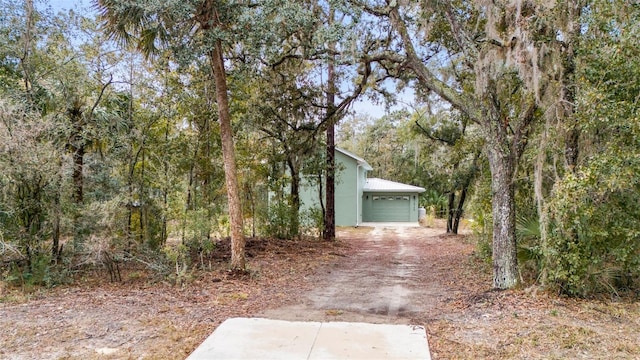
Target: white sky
365,106
59,5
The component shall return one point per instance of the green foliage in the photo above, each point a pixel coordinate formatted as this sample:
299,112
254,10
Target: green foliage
530,255
198,226
180,263
38,271
312,222
594,240
481,226
279,220
204,249
480,215
435,202
151,162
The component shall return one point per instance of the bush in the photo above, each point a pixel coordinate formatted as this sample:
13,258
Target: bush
593,244
530,256
40,271
312,222
480,217
280,221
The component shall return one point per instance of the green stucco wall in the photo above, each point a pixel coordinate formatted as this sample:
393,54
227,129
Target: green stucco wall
346,195
350,180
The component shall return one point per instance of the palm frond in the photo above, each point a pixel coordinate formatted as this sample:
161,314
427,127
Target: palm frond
527,228
130,23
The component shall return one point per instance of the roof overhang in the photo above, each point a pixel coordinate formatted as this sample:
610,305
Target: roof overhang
365,165
362,162
387,186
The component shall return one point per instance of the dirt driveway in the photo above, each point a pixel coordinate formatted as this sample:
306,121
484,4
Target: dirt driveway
392,275
423,276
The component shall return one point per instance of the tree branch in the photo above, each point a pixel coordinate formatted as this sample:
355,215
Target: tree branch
427,78
104,87
430,135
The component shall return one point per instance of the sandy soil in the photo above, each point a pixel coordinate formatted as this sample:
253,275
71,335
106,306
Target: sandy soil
390,276
415,276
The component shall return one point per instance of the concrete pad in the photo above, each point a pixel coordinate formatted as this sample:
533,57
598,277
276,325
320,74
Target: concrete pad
243,338
256,338
340,340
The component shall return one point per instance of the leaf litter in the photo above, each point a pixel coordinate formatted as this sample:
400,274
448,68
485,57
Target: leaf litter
418,276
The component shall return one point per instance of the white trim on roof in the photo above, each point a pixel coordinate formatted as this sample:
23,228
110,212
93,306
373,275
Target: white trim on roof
362,162
380,185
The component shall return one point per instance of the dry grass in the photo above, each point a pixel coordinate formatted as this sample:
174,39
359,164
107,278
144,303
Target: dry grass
520,325
156,320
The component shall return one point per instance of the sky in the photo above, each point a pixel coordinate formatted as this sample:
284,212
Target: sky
365,106
362,106
62,5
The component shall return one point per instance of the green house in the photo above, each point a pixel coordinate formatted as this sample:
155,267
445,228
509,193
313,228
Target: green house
360,199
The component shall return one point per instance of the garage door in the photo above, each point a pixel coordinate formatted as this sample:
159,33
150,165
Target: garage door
385,208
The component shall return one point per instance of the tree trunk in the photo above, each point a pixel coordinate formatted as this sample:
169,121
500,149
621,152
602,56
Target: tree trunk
502,157
55,246
78,180
206,173
450,205
250,197
330,211
128,232
568,90
165,189
78,193
330,199
238,261
329,233
463,193
458,214
505,262
24,60
76,145
142,238
295,196
321,197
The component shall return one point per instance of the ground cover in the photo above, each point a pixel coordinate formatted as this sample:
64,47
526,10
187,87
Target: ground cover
381,275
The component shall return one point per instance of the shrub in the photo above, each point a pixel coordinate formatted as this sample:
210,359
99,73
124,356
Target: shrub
280,221
594,240
312,222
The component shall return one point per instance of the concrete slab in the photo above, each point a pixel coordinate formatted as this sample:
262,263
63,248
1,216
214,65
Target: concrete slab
339,340
256,338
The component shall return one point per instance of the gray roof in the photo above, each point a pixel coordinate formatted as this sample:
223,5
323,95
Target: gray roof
380,185
362,162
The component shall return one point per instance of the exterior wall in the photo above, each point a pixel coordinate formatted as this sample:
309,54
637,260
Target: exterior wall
347,182
350,180
362,179
387,211
309,193
415,206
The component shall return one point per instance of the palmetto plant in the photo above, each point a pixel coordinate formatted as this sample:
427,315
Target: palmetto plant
433,199
530,255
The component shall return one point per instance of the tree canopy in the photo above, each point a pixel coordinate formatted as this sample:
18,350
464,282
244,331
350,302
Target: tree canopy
160,127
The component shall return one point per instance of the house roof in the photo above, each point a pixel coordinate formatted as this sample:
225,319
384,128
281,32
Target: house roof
362,162
380,185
